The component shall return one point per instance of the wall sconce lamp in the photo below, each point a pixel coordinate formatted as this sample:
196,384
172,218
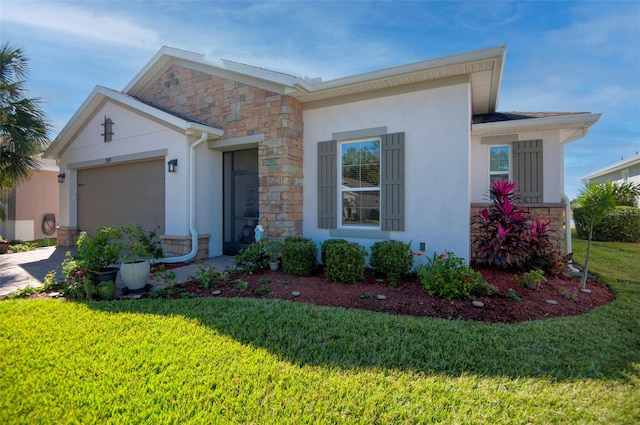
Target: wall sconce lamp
61,177
108,129
172,164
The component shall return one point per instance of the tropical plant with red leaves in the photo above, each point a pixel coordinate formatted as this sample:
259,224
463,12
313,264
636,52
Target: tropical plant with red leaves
506,237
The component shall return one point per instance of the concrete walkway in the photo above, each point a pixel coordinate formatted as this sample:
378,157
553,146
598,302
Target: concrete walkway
29,268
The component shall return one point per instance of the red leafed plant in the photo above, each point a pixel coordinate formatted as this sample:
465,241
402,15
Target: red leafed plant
507,238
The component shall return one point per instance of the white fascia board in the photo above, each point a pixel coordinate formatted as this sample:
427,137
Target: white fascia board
74,123
195,128
620,165
582,121
443,62
167,54
97,97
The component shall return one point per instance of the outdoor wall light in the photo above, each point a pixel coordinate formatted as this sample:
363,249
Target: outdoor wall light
61,177
172,164
108,129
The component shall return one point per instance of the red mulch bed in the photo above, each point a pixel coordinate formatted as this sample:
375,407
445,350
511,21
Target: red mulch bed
410,299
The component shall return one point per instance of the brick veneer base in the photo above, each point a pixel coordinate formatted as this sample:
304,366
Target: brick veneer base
67,236
180,245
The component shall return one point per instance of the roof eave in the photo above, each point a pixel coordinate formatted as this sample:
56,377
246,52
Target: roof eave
620,165
97,97
560,122
167,55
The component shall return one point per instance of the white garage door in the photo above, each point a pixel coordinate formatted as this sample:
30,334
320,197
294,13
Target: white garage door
121,194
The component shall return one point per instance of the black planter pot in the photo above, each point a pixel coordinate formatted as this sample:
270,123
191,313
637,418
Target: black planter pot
107,274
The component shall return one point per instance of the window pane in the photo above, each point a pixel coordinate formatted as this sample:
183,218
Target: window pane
361,164
361,208
499,158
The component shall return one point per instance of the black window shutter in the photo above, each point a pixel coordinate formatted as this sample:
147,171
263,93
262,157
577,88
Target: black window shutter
527,170
327,185
392,182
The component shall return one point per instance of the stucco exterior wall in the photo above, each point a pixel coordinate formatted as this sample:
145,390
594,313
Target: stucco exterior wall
135,137
436,122
553,159
28,204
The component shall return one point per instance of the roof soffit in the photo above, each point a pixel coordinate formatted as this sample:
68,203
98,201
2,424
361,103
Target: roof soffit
576,124
102,95
484,66
618,166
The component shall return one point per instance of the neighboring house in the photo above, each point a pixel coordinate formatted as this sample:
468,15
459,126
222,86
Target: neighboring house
623,171
197,146
32,207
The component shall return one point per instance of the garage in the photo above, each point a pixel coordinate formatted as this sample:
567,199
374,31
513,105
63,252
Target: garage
121,194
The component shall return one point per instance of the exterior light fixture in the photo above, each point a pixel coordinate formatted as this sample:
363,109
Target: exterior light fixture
172,164
108,129
61,177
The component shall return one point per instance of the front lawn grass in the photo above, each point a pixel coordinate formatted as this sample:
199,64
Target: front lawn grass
268,361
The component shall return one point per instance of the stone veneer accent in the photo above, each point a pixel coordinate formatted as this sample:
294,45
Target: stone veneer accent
174,246
554,213
243,110
67,236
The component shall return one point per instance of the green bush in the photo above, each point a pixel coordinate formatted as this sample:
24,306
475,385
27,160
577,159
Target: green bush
299,256
345,262
448,276
392,258
326,245
622,224
252,259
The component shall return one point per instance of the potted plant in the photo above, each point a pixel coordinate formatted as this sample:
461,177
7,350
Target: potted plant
107,290
272,251
98,254
4,245
139,247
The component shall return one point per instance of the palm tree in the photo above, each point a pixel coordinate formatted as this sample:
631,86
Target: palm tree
24,130
596,201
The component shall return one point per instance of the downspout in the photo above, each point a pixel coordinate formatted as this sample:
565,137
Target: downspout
568,229
192,207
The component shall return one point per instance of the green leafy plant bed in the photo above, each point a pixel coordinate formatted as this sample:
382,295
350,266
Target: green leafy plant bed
409,298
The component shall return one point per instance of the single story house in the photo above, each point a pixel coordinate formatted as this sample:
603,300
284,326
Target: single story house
204,149
32,207
624,171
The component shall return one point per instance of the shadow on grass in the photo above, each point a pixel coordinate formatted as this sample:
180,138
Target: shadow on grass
603,344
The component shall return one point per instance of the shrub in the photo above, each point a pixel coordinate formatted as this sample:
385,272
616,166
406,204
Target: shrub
449,276
392,258
252,259
299,256
531,280
622,224
345,262
507,238
326,245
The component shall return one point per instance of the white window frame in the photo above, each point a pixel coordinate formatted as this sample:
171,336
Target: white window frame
343,188
494,173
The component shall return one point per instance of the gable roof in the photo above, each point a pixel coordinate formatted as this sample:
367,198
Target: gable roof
484,68
618,166
101,94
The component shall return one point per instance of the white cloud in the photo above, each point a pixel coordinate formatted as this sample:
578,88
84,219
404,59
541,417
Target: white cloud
83,24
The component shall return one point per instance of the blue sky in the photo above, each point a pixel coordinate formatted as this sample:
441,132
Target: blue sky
562,56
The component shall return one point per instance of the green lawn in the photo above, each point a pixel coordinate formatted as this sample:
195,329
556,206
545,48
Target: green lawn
266,361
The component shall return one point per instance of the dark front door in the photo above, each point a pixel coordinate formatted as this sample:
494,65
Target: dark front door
241,188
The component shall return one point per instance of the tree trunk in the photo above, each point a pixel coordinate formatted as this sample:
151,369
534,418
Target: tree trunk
583,281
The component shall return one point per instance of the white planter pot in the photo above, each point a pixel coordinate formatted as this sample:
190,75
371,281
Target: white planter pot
274,265
135,275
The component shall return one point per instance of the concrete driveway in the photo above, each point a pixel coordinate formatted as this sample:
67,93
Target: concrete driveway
29,268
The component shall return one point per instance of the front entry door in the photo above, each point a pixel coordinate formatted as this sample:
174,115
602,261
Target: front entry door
241,213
